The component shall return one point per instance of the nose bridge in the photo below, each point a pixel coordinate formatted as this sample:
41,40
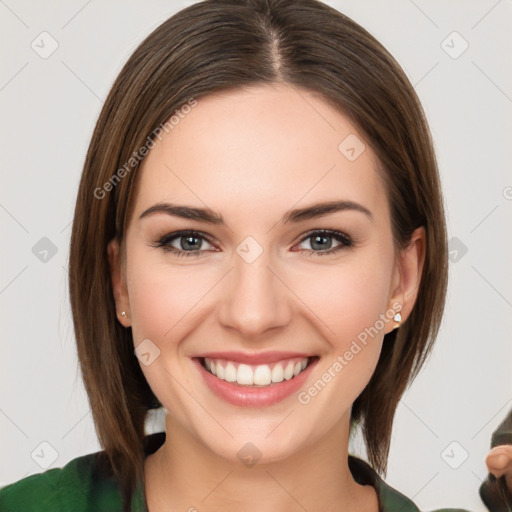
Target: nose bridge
254,300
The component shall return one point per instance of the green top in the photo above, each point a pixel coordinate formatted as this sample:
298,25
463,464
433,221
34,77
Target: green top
77,487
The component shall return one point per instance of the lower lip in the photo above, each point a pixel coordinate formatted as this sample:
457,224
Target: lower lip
249,396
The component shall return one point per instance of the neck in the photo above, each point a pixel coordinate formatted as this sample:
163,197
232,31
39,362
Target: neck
183,474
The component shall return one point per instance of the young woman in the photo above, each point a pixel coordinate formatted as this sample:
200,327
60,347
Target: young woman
259,246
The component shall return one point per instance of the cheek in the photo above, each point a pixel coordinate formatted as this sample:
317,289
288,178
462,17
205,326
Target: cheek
163,305
350,301
350,304
159,299
168,301
348,298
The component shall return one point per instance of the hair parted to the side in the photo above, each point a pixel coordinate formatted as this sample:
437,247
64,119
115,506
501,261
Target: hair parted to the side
214,46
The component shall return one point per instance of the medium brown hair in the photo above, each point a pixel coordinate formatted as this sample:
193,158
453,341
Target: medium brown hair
214,46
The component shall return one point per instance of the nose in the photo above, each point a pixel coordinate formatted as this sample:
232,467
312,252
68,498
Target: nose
254,298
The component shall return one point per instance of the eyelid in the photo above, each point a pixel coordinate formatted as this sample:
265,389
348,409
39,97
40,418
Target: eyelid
334,233
167,238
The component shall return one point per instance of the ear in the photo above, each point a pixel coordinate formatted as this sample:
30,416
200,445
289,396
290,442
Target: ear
119,287
407,277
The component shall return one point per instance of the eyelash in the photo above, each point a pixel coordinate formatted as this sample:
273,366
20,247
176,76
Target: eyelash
164,242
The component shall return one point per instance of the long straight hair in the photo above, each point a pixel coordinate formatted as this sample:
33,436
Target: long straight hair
218,45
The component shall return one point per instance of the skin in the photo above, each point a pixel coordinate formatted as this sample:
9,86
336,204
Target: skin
251,155
499,463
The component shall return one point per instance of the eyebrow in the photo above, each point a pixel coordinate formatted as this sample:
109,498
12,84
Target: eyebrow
292,216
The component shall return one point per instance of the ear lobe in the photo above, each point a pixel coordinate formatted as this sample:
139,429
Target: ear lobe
410,267
119,288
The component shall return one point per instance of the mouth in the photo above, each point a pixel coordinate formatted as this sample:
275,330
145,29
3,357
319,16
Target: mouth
257,385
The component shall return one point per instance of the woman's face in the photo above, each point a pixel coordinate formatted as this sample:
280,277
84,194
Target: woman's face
257,289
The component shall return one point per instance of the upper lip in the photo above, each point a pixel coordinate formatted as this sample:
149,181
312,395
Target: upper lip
254,358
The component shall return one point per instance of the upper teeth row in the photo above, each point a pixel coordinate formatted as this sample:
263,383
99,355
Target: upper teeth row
260,375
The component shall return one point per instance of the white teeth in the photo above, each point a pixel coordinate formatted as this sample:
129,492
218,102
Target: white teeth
210,365
260,375
288,372
230,374
277,373
245,375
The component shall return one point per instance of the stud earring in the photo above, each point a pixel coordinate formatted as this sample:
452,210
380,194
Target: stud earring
398,319
123,314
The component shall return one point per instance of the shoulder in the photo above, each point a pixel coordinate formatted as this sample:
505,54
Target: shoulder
81,486
389,499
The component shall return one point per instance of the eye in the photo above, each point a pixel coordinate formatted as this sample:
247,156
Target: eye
190,243
320,242
183,243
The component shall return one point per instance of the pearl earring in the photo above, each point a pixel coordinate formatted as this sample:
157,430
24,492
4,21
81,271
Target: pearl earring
398,318
123,314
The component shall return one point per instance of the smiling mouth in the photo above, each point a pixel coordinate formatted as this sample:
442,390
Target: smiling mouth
261,375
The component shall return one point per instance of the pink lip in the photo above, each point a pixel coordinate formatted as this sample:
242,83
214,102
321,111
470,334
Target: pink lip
248,396
254,359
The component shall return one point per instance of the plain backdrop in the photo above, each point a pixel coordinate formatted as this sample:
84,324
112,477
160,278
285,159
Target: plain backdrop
456,54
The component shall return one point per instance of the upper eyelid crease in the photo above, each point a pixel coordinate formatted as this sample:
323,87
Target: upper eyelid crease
292,216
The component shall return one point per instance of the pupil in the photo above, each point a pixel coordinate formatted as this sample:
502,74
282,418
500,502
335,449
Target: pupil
316,245
186,245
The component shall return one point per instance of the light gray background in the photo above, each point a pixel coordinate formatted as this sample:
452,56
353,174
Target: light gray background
48,110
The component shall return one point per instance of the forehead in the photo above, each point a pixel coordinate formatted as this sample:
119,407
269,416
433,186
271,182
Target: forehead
260,150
